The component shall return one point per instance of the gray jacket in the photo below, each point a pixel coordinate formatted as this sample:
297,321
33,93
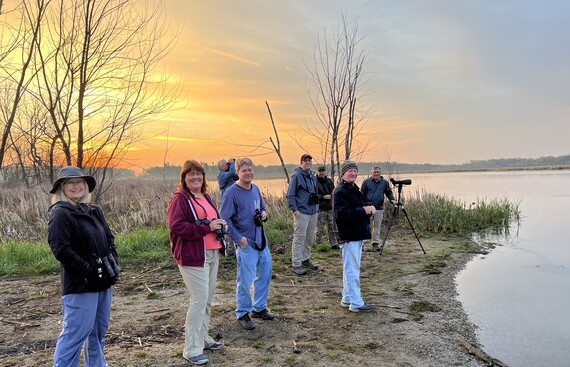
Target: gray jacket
303,184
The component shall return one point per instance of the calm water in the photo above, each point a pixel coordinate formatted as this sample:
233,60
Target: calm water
519,294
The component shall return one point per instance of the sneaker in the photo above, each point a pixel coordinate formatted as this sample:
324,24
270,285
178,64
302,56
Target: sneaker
246,322
264,315
345,304
299,270
215,346
364,308
199,359
307,264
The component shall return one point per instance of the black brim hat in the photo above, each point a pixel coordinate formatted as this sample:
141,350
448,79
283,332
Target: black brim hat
72,172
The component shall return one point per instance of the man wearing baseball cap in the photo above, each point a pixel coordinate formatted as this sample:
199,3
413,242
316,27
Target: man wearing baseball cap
303,201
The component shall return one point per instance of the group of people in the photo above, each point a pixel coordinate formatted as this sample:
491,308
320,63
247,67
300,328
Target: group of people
81,240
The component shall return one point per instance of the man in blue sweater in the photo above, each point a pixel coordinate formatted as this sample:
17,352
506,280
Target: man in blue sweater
243,209
374,189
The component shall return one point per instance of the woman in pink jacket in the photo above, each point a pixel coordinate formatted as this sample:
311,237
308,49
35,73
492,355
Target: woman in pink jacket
196,241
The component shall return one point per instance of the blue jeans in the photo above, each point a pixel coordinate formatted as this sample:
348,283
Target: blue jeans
252,267
351,255
85,321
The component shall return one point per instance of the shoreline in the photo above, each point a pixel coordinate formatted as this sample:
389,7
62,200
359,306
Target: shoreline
417,320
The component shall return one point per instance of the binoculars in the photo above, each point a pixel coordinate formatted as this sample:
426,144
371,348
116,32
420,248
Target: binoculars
110,265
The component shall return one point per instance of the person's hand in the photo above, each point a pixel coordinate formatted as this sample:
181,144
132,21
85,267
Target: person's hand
369,209
243,242
393,202
217,224
327,197
296,213
264,215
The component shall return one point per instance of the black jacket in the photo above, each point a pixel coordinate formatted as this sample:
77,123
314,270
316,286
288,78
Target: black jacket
325,186
352,221
78,237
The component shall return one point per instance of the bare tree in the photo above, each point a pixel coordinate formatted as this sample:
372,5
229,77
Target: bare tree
15,72
277,143
98,79
336,88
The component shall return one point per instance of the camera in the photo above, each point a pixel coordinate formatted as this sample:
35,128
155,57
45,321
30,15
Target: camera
258,219
313,198
401,182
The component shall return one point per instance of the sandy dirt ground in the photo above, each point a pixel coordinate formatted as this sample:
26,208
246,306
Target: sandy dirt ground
417,320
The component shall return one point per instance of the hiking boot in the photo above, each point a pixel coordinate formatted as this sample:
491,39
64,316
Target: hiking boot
307,264
215,346
199,359
364,308
299,270
264,315
335,247
375,247
246,322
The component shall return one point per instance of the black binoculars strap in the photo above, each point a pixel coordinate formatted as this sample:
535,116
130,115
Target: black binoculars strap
263,241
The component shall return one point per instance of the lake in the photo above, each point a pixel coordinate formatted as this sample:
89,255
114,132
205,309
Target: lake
519,294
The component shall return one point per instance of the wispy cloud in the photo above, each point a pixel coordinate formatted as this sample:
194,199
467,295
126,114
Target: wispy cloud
231,56
175,138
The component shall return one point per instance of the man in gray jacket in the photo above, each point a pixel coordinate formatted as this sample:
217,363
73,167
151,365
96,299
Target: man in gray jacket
374,188
303,201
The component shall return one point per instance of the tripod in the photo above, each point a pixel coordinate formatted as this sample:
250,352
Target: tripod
395,212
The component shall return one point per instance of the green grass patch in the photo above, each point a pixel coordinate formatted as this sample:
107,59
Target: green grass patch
25,258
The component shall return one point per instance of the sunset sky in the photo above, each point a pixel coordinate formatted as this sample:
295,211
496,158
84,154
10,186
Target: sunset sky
450,81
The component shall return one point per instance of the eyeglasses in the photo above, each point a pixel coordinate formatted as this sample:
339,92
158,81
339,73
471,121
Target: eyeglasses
74,182
194,173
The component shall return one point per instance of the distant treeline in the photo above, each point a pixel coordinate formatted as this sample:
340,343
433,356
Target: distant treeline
275,171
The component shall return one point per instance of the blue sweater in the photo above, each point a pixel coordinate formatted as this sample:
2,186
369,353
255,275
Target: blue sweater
238,209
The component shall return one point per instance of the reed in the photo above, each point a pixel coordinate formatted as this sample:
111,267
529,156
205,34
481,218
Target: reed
137,213
440,214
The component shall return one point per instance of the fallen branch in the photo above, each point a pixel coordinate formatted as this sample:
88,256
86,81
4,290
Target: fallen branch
473,350
159,310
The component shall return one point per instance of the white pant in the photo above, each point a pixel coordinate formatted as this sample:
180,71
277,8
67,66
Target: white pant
201,284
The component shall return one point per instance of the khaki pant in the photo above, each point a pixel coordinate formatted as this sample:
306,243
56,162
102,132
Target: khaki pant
376,223
201,284
303,238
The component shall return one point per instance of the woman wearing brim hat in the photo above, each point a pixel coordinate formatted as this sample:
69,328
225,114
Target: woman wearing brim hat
82,242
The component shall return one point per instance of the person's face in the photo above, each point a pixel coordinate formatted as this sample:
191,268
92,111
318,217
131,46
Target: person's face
194,180
245,174
306,164
322,173
376,174
74,188
350,176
